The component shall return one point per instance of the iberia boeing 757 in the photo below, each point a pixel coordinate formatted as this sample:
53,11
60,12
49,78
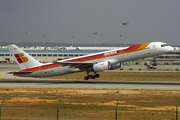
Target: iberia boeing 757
107,60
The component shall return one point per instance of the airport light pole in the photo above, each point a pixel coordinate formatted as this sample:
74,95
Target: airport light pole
101,40
95,38
120,40
44,41
72,41
125,33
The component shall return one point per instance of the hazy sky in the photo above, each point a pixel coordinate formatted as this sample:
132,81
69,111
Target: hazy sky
59,20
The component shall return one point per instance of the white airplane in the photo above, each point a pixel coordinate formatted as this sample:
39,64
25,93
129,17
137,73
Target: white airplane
107,60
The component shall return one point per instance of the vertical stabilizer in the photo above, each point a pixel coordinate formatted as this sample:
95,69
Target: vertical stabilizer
23,59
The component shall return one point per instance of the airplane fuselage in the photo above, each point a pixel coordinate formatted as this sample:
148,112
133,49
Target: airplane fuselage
114,57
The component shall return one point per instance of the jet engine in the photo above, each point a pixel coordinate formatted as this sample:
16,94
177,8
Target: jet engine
101,66
107,65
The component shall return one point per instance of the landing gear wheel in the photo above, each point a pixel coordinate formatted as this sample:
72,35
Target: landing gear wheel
90,76
96,75
93,77
86,77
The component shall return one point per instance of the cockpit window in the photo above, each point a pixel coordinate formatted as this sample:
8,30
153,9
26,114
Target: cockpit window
164,45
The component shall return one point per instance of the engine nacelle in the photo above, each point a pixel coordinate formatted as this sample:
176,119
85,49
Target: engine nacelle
116,66
101,66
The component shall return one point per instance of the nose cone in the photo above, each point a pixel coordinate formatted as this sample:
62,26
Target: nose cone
170,48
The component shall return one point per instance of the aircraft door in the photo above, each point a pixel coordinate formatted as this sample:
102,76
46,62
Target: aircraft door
154,47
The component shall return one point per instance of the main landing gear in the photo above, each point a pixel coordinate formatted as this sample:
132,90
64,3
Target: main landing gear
91,76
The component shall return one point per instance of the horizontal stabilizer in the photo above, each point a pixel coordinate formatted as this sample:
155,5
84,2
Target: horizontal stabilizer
19,73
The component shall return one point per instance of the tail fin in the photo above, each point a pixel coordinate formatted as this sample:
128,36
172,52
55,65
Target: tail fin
23,59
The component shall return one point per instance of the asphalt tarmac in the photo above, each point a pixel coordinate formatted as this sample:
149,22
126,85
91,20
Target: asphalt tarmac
90,84
7,80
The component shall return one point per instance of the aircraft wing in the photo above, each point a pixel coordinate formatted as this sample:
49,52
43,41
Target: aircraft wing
80,65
